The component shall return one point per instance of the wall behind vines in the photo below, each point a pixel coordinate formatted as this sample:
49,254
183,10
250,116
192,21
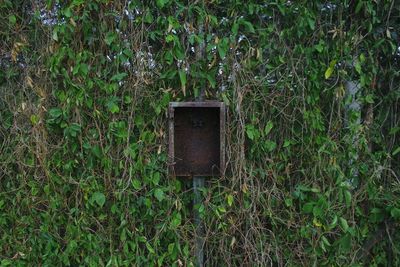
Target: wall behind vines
312,175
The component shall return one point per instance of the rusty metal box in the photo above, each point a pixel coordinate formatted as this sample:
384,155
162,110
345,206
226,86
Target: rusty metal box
196,138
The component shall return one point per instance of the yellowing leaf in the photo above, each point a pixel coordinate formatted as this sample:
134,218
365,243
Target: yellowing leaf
330,69
229,199
34,119
317,223
328,72
29,81
15,50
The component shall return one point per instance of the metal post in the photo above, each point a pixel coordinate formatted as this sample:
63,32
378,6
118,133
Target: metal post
198,182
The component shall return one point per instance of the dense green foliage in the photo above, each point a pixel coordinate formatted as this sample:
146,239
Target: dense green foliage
84,90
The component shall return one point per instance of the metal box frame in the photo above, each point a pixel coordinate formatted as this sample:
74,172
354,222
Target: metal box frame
204,116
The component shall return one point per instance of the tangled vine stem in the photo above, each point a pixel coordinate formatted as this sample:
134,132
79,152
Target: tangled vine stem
84,92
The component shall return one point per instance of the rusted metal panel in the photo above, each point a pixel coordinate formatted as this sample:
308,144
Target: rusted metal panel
196,138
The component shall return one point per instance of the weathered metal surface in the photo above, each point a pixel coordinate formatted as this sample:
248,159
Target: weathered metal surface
196,138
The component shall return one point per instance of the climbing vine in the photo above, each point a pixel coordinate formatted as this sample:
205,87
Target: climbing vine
312,90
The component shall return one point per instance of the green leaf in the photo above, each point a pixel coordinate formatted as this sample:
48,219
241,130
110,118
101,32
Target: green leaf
99,198
55,113
170,38
343,224
235,28
112,105
110,37
96,151
345,243
311,23
123,235
201,208
287,143
127,99
377,215
211,80
270,145
369,99
161,3
225,99
221,209
182,77
320,46
249,27
148,18
176,220
318,212
73,129
333,223
288,202
250,131
358,67
12,19
150,248
223,47
268,127
394,130
395,213
359,6
178,52
136,184
169,74
55,35
325,240
316,190
156,178
159,194
171,248
362,58
169,58
67,12
128,53
6,262
308,207
84,68
78,2
347,196
396,151
118,77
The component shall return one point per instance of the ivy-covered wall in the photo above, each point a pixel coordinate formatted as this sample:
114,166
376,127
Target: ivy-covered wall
312,90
